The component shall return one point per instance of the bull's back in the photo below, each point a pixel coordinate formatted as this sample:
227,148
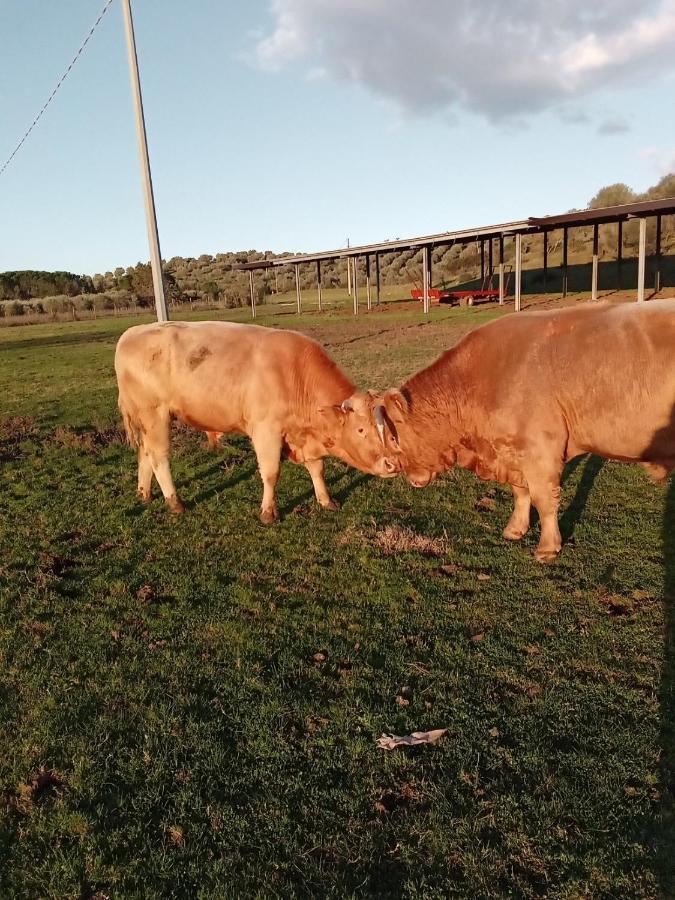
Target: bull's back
607,371
208,373
617,381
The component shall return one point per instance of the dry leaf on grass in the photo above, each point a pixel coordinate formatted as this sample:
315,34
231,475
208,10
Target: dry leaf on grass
392,741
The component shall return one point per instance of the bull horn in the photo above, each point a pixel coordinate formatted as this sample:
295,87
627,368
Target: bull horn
378,415
347,405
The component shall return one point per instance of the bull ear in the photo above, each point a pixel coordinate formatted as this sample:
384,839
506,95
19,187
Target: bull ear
396,403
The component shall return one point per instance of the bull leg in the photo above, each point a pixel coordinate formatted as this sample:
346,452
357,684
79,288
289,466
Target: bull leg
315,469
519,523
144,476
545,495
156,440
267,446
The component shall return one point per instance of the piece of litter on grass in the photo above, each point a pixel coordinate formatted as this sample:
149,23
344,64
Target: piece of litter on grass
392,741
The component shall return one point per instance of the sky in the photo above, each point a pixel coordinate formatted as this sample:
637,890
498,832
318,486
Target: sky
292,125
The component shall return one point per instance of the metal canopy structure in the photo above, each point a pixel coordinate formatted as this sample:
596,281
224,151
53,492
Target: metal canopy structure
533,225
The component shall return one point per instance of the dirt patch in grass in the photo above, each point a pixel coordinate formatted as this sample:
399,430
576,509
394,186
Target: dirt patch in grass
395,539
90,440
13,431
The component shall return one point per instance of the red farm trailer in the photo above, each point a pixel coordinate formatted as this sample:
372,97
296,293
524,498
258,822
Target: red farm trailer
463,298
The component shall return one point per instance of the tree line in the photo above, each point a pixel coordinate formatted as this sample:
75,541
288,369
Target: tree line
214,278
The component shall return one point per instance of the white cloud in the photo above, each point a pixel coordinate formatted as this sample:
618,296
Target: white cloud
493,57
662,160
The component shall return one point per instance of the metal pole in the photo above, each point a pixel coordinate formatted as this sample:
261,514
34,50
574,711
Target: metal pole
355,286
148,195
425,280
594,277
501,269
298,298
250,279
377,277
657,274
619,254
641,261
318,282
545,260
368,303
482,264
490,261
565,243
349,273
519,255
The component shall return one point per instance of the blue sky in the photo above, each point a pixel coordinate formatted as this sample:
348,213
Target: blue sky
292,124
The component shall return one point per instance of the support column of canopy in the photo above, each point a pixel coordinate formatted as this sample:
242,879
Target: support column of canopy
482,264
642,257
594,275
490,261
250,283
355,287
298,298
318,283
545,260
501,270
368,301
564,262
619,254
425,280
657,272
519,265
377,277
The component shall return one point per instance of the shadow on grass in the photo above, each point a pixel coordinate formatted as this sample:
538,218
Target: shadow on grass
660,827
242,473
664,826
572,515
354,480
60,340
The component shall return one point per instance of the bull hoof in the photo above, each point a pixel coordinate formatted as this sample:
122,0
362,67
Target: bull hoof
514,534
546,556
269,516
175,505
332,505
144,496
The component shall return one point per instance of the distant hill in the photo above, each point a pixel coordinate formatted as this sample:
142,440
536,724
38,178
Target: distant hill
213,277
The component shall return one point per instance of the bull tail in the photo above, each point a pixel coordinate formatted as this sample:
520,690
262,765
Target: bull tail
132,426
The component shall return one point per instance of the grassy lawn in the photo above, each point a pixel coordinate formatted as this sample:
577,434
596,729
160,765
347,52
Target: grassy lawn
189,707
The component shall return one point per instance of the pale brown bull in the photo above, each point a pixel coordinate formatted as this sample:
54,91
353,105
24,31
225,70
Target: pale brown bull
278,387
517,398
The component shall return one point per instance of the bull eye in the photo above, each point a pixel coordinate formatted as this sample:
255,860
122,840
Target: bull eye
361,431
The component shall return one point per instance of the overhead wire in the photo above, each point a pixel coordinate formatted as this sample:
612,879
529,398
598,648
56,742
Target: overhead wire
58,85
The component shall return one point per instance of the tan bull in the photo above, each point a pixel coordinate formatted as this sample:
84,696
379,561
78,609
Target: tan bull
278,387
517,398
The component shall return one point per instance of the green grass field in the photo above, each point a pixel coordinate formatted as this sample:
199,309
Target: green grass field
189,707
